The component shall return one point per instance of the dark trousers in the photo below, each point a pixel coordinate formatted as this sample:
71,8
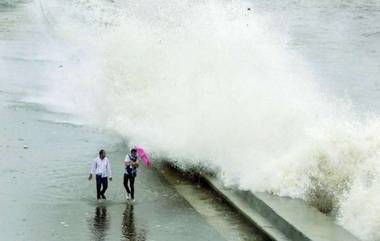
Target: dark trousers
131,179
101,186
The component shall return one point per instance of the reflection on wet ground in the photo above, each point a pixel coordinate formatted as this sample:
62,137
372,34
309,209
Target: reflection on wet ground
99,225
129,229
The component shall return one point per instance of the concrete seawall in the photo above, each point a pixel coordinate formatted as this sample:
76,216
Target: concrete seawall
280,218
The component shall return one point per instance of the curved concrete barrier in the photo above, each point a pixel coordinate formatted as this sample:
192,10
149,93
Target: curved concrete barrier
281,218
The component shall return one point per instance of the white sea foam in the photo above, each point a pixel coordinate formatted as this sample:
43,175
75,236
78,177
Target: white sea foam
214,83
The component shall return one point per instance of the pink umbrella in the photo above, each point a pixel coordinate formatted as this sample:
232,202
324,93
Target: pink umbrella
144,157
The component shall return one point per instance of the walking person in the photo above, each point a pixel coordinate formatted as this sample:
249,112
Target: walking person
131,163
101,167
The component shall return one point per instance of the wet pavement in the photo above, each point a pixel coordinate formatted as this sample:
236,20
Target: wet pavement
45,193
45,160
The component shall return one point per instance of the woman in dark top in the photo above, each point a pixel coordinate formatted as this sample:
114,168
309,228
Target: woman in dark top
131,164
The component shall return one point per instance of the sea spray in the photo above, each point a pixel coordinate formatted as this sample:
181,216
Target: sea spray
213,83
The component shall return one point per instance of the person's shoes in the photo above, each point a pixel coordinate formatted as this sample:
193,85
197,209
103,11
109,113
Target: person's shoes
133,200
103,196
127,196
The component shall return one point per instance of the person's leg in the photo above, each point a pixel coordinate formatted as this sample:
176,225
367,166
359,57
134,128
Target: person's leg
98,185
105,186
126,177
132,184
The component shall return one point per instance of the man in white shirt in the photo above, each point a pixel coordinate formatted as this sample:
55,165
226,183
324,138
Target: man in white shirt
101,167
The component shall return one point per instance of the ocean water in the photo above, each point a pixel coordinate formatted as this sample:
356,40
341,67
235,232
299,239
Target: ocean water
276,96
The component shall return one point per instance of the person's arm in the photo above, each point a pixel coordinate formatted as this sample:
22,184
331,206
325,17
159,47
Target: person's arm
92,170
109,173
136,163
127,161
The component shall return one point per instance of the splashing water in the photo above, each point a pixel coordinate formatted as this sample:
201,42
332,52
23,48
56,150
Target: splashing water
216,84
